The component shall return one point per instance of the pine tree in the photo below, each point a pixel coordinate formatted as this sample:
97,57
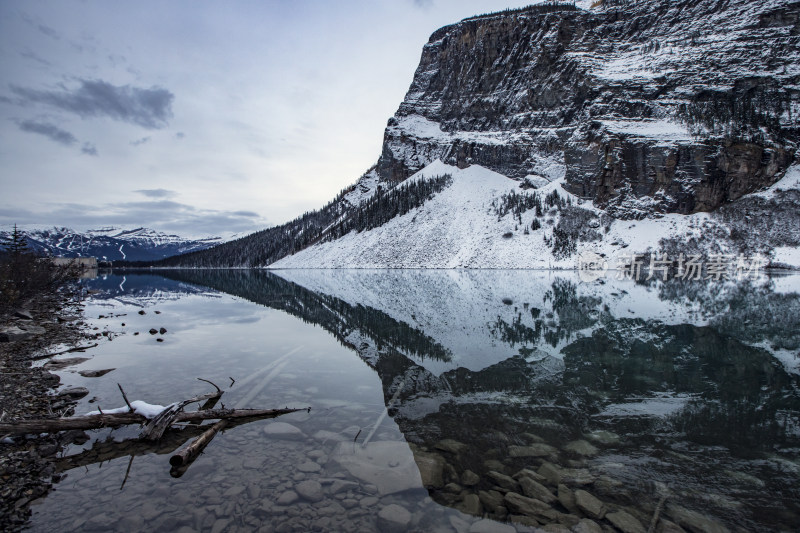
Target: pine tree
16,244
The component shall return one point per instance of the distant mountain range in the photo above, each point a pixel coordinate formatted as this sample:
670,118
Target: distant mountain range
111,243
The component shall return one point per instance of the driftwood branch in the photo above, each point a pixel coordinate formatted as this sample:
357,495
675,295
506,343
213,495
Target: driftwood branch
75,349
174,438
156,426
125,397
190,453
219,391
22,427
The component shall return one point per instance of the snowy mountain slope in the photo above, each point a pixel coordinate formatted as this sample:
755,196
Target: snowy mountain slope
654,124
458,228
110,243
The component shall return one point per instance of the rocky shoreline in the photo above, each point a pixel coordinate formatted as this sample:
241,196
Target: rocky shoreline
28,391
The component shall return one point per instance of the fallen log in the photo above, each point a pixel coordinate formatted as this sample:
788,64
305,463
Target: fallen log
190,453
22,427
174,438
156,426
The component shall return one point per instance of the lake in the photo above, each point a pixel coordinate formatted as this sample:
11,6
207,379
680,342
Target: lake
442,400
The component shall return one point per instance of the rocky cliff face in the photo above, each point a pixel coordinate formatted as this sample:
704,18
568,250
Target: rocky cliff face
645,107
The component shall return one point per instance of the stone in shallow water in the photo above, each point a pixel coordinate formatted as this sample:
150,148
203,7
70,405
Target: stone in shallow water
74,392
590,505
471,505
490,526
393,519
450,446
492,500
494,464
326,436
287,498
582,448
283,430
534,489
550,472
694,521
310,490
625,522
529,506
341,485
524,520
389,465
534,450
431,468
567,498
665,526
503,481
469,478
555,528
587,526
577,476
604,437
95,373
308,467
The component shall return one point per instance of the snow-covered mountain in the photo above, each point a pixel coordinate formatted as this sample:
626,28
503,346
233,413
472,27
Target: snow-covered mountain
110,243
472,224
645,126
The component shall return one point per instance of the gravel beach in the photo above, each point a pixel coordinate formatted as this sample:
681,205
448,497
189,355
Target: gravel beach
48,325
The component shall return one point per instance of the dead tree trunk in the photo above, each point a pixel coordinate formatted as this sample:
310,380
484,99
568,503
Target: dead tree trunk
22,427
190,453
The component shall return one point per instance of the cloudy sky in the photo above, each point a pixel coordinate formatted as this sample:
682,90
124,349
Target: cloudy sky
199,117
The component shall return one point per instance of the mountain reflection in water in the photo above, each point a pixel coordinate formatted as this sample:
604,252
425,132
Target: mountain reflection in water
523,397
662,389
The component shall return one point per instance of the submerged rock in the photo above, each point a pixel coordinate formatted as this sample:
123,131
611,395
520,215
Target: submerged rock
550,472
95,373
582,448
587,526
625,522
694,521
283,430
389,465
490,526
74,392
394,519
503,481
309,490
450,446
471,505
603,437
590,505
534,489
537,449
492,500
529,506
469,478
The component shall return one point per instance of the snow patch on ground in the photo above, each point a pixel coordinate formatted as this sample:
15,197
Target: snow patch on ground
458,228
790,180
664,130
145,409
787,255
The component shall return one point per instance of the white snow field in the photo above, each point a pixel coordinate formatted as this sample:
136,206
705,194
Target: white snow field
458,228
